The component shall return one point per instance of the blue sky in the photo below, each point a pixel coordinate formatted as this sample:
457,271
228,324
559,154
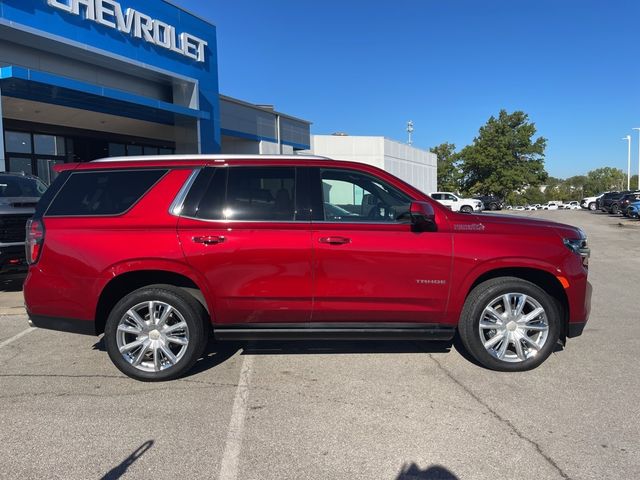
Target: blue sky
366,67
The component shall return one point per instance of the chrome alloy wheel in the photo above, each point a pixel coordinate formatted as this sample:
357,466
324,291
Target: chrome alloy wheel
152,336
513,327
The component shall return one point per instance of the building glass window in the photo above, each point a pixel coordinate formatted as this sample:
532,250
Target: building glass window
48,145
20,165
17,142
117,150
134,150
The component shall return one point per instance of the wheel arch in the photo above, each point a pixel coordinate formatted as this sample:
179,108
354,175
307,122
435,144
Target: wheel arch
127,282
541,278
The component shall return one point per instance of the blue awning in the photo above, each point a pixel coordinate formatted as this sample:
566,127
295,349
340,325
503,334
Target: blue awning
44,87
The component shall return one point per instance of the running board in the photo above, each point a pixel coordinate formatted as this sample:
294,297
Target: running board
369,331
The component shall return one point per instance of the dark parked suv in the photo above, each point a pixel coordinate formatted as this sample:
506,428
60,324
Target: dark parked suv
19,195
158,252
491,202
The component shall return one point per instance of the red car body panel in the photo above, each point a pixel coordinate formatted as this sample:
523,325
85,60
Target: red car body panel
383,273
248,289
292,272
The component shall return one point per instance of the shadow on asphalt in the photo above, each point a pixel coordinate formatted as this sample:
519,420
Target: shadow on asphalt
434,472
219,352
121,469
12,282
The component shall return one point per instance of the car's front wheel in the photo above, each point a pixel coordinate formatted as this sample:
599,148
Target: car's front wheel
509,324
592,206
156,333
466,209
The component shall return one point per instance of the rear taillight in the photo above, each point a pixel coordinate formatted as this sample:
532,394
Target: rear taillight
35,240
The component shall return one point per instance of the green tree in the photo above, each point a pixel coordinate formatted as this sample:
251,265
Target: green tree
604,179
448,171
504,157
634,182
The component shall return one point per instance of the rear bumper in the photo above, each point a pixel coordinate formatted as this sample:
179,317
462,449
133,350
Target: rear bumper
71,325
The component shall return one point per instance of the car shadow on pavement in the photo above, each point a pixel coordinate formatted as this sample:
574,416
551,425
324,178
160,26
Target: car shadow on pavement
315,347
119,470
434,472
217,353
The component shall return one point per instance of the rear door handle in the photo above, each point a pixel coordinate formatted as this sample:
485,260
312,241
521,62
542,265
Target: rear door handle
335,240
209,240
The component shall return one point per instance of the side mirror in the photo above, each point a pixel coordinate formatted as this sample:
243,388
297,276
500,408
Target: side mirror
423,217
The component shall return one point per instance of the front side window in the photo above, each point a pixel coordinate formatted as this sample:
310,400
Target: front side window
350,196
249,194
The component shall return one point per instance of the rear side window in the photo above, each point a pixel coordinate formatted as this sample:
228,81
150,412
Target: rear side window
102,193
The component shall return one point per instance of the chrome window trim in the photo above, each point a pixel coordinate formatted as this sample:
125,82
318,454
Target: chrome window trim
176,206
324,222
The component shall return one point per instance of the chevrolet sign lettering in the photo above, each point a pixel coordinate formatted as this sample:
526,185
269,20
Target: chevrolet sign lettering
109,13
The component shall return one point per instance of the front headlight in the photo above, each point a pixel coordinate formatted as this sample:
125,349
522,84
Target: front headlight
579,246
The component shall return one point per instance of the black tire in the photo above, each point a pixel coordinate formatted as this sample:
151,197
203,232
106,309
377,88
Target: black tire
187,308
466,209
482,296
493,206
592,206
614,209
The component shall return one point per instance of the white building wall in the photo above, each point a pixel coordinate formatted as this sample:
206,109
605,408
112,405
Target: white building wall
369,150
413,165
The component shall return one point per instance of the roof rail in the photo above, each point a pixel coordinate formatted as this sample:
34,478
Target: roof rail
216,157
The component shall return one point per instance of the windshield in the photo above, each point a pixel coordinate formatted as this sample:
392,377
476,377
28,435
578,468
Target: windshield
16,186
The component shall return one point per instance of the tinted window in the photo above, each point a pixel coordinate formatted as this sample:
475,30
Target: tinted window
354,197
15,186
213,194
252,193
103,193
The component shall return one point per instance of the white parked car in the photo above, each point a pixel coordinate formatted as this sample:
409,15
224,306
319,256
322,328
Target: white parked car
551,206
530,207
456,203
518,207
572,206
590,202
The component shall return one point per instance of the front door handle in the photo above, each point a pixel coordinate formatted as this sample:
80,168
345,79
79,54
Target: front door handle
335,240
209,240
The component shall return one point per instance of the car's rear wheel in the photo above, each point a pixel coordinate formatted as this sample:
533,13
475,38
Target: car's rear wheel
466,209
156,333
493,206
614,209
592,206
509,324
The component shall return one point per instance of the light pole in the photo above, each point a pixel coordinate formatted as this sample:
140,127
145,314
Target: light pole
628,139
638,156
410,131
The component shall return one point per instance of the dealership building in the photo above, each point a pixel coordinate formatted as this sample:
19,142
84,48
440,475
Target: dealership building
85,79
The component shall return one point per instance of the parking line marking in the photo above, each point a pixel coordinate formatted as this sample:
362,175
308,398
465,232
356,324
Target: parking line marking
233,444
16,337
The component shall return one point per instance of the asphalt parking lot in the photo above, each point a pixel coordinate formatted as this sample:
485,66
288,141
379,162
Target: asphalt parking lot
372,410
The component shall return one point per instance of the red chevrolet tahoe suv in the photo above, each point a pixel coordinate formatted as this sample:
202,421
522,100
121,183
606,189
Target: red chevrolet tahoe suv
157,252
